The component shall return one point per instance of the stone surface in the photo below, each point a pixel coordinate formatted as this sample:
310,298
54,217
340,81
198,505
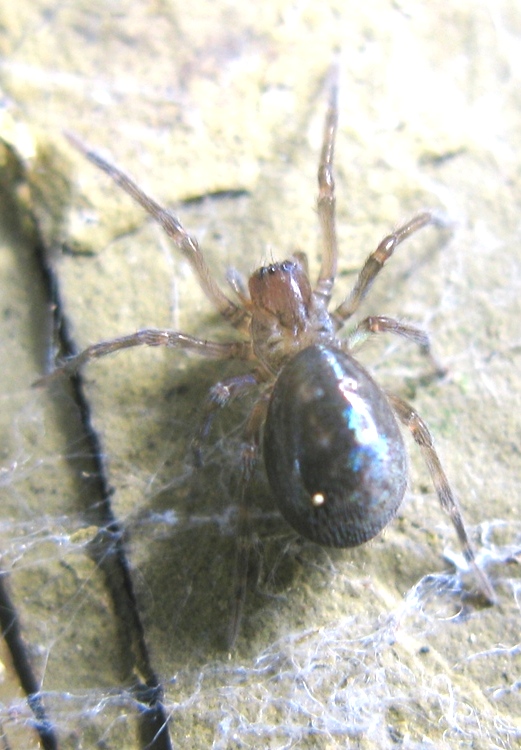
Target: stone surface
377,646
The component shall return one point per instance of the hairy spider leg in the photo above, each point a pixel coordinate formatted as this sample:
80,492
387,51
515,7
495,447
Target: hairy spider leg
448,500
383,324
374,264
218,397
151,337
326,197
236,315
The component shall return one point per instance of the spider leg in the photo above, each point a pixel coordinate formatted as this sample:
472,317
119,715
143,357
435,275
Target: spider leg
150,337
374,264
382,324
239,285
249,459
187,245
218,397
326,197
420,432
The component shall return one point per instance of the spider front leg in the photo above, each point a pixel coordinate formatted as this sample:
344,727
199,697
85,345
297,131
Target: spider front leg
150,337
326,198
420,432
374,264
189,247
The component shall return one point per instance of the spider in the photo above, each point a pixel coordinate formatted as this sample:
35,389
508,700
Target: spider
332,448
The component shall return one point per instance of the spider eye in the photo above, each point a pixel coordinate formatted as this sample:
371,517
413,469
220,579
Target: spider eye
283,290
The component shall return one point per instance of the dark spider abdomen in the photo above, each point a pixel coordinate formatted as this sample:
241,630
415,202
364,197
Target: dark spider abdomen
334,454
